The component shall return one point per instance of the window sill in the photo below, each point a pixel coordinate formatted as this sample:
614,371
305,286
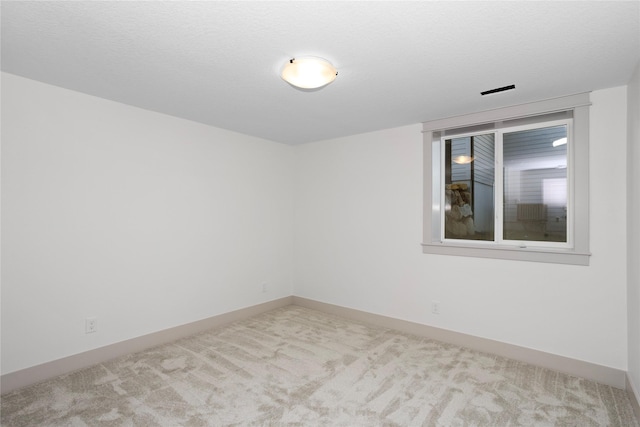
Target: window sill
556,256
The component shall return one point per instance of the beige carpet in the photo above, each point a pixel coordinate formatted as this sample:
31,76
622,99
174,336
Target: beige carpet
295,366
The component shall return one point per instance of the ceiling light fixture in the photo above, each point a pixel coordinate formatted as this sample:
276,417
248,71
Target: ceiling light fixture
309,72
559,142
462,160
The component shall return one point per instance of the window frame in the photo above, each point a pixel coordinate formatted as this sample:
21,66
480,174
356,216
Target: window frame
577,251
499,184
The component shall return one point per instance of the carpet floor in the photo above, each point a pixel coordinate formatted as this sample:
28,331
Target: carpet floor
295,366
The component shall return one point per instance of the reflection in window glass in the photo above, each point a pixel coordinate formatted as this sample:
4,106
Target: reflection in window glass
535,185
469,187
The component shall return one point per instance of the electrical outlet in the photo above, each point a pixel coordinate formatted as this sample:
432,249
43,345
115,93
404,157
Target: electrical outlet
90,325
435,307
265,287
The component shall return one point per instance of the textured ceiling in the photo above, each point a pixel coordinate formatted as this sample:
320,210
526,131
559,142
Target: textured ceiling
399,62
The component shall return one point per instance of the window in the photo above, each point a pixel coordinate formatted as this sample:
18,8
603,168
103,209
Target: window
507,186
510,183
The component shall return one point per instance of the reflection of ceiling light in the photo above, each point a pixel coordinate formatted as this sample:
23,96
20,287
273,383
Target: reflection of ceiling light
462,160
309,72
559,142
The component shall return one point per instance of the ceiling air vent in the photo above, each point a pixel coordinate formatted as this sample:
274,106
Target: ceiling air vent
500,89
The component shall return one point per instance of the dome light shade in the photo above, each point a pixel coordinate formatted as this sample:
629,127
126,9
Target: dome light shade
309,72
462,160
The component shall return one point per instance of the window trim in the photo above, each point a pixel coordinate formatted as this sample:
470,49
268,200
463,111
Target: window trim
498,135
578,157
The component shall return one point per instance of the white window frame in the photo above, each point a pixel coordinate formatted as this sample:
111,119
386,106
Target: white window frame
499,185
576,250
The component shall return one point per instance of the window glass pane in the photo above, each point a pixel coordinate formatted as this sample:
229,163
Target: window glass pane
535,185
469,187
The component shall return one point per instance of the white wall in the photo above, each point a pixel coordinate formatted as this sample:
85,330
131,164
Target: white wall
148,221
633,228
358,228
143,220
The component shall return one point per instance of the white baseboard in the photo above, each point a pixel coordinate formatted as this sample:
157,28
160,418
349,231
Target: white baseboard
36,374
601,374
634,397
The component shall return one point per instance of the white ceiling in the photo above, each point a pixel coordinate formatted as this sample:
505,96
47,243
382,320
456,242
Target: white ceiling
399,63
